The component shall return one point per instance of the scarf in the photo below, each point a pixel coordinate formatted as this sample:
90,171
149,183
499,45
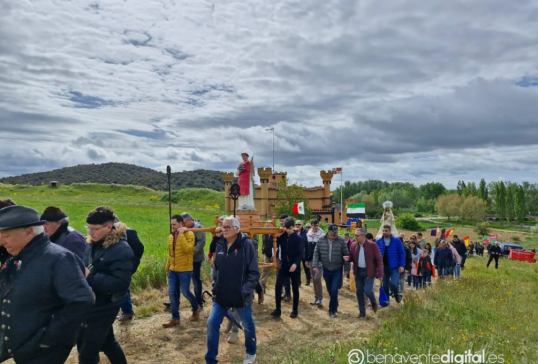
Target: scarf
62,229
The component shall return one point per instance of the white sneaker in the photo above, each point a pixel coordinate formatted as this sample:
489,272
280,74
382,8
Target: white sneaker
232,339
249,359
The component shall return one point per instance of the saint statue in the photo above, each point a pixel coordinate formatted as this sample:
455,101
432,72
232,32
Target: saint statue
245,172
388,219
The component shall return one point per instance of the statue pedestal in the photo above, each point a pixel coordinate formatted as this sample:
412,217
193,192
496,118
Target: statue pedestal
249,218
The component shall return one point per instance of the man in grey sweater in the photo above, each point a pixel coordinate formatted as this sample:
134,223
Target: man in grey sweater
198,255
332,251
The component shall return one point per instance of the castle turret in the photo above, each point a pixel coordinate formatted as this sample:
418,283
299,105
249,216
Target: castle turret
265,177
326,177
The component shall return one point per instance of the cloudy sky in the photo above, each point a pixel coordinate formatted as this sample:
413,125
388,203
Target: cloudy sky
395,90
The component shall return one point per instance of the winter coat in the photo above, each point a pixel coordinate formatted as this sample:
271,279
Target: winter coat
443,258
396,253
460,246
338,252
111,260
267,245
455,255
312,239
136,245
44,297
425,267
291,249
372,256
408,258
70,239
198,252
235,272
180,252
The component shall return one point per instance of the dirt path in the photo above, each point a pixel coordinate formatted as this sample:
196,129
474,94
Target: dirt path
145,341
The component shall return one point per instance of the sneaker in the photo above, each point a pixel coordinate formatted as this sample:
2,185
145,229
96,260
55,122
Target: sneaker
228,327
294,314
320,302
286,299
249,359
315,302
232,339
361,316
307,282
399,298
125,317
276,313
332,314
375,307
167,304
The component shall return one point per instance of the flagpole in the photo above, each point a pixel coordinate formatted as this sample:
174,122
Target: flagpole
341,195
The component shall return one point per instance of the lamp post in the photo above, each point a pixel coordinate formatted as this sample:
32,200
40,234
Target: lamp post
273,130
169,172
235,192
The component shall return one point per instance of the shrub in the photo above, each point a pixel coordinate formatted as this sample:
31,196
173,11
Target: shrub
482,229
516,239
407,222
418,214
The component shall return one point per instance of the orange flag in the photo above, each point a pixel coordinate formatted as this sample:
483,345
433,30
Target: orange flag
466,240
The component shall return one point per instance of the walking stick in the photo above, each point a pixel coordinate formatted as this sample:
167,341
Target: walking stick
168,172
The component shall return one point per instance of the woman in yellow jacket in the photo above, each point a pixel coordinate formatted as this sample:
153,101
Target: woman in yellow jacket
179,269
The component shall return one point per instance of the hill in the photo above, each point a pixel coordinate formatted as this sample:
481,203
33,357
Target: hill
122,174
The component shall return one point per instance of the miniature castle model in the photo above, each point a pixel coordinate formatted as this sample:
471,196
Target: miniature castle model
319,197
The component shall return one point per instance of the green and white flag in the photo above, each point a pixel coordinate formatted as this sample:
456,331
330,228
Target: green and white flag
356,210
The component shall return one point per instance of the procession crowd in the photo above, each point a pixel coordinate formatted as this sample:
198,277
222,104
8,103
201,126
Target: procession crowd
84,281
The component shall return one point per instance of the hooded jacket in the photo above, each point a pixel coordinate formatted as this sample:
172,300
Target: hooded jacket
199,238
235,272
112,267
180,252
312,239
443,258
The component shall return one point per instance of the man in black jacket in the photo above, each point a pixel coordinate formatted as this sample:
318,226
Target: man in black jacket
43,292
302,233
4,255
291,254
109,266
235,276
461,248
136,245
58,229
495,252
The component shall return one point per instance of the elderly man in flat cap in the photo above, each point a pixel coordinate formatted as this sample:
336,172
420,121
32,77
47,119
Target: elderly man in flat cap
58,229
44,294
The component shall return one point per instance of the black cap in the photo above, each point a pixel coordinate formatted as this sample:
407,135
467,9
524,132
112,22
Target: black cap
53,214
333,227
13,217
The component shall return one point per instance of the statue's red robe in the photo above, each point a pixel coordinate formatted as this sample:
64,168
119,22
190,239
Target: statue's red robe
244,179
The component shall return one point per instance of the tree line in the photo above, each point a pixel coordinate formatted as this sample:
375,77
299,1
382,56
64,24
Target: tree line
471,201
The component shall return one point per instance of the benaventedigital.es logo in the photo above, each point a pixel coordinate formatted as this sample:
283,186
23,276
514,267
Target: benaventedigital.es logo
357,356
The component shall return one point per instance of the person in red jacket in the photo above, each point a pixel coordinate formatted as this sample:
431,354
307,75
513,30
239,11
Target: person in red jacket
367,266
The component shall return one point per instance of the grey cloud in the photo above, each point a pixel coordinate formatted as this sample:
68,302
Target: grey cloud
94,155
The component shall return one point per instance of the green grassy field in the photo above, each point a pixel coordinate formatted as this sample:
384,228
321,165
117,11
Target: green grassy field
488,309
140,208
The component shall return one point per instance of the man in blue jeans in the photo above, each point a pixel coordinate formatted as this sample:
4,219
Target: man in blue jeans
179,270
331,250
235,276
393,254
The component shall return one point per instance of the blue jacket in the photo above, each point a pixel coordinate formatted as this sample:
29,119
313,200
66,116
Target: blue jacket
235,272
443,257
70,239
396,252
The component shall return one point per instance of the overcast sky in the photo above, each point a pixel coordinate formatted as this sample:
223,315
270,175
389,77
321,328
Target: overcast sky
396,90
